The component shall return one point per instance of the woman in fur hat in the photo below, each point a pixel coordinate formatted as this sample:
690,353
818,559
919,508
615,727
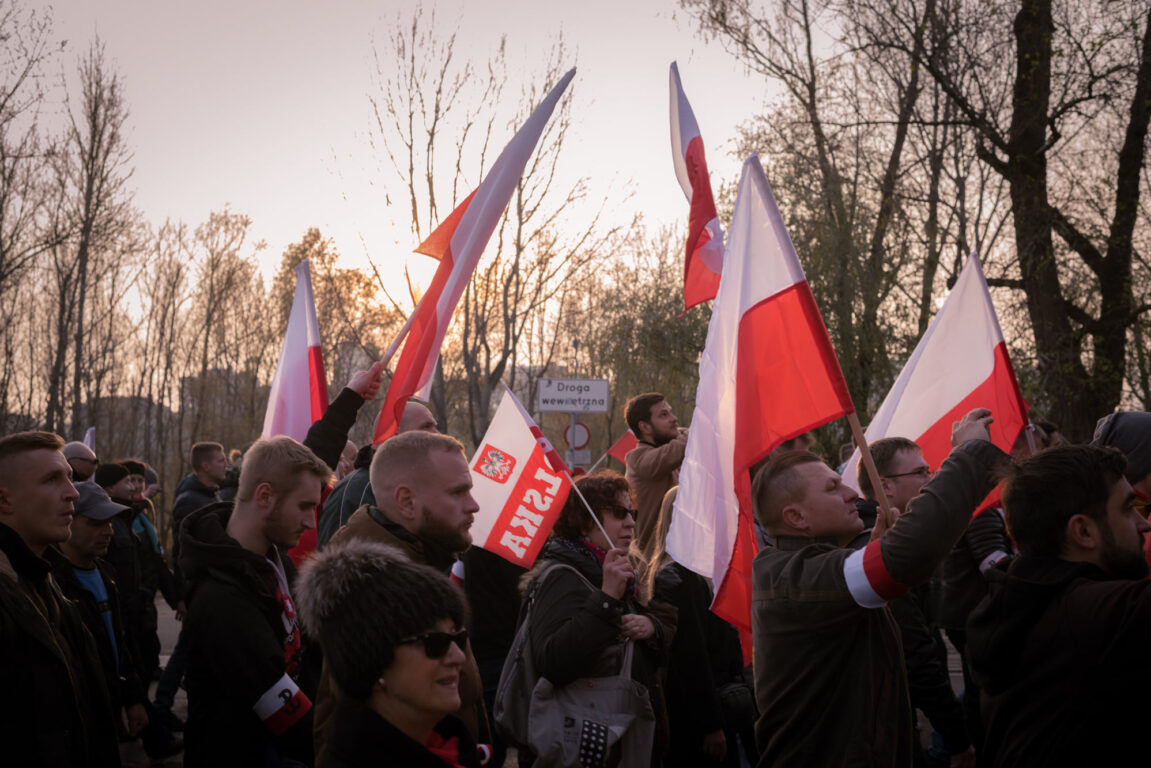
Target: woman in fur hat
392,636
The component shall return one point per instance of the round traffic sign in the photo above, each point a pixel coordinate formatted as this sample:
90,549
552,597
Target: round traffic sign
581,437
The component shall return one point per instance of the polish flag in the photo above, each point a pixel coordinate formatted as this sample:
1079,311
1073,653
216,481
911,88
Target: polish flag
960,363
622,447
457,244
768,373
520,485
299,393
704,258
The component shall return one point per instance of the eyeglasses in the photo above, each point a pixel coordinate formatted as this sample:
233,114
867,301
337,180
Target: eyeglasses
436,644
618,512
924,472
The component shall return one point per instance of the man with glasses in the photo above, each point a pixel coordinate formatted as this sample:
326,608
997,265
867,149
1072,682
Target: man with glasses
424,508
83,460
903,472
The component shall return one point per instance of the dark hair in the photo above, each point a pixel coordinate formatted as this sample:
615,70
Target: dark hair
775,486
883,452
1046,490
201,452
600,491
360,598
639,409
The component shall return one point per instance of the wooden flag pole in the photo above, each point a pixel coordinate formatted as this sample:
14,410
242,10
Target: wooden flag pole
872,472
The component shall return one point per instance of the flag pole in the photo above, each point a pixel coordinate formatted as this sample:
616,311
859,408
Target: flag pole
869,465
390,353
598,462
587,506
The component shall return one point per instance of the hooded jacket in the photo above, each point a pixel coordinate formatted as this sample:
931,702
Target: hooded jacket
244,708
1060,650
191,494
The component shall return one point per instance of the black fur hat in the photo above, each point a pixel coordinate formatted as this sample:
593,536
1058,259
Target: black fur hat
359,598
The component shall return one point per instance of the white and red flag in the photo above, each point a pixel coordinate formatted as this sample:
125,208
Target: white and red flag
960,363
299,393
703,259
457,243
520,485
768,373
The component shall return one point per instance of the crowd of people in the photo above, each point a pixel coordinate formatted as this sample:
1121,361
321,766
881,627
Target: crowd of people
334,612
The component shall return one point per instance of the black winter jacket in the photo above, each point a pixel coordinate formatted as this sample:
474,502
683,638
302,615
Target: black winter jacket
572,625
243,707
360,738
1060,651
191,494
54,708
705,654
124,686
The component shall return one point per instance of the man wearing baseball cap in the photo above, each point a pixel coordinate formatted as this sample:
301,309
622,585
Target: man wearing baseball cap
87,580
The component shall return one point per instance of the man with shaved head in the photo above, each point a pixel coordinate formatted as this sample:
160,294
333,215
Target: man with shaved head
829,671
355,490
55,709
82,459
424,508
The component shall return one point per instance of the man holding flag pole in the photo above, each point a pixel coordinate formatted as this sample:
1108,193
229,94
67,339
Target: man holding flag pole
768,374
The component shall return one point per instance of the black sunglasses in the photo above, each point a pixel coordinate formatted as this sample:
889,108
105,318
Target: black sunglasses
618,512
436,644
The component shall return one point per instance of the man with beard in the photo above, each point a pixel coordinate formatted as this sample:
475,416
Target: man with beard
245,706
1059,645
653,465
424,508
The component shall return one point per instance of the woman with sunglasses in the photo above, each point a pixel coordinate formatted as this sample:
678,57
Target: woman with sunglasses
392,636
577,631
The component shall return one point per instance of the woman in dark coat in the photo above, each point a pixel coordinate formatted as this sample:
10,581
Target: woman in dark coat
393,638
577,631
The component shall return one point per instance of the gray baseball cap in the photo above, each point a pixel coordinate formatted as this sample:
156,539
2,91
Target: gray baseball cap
94,502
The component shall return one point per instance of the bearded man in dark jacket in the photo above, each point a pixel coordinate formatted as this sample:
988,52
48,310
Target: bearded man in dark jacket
1059,646
245,706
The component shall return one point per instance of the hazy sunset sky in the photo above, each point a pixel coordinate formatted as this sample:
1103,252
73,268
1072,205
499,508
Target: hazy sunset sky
263,106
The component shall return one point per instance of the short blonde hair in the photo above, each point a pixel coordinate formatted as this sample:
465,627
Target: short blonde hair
279,462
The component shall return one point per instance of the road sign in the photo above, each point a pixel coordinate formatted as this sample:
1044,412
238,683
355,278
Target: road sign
579,437
572,395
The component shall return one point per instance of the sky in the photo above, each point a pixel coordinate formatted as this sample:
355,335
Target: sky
263,106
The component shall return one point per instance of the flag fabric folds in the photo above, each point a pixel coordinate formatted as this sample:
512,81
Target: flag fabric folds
768,373
457,243
960,363
703,259
299,394
519,487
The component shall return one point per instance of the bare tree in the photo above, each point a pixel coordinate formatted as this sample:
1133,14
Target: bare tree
439,146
